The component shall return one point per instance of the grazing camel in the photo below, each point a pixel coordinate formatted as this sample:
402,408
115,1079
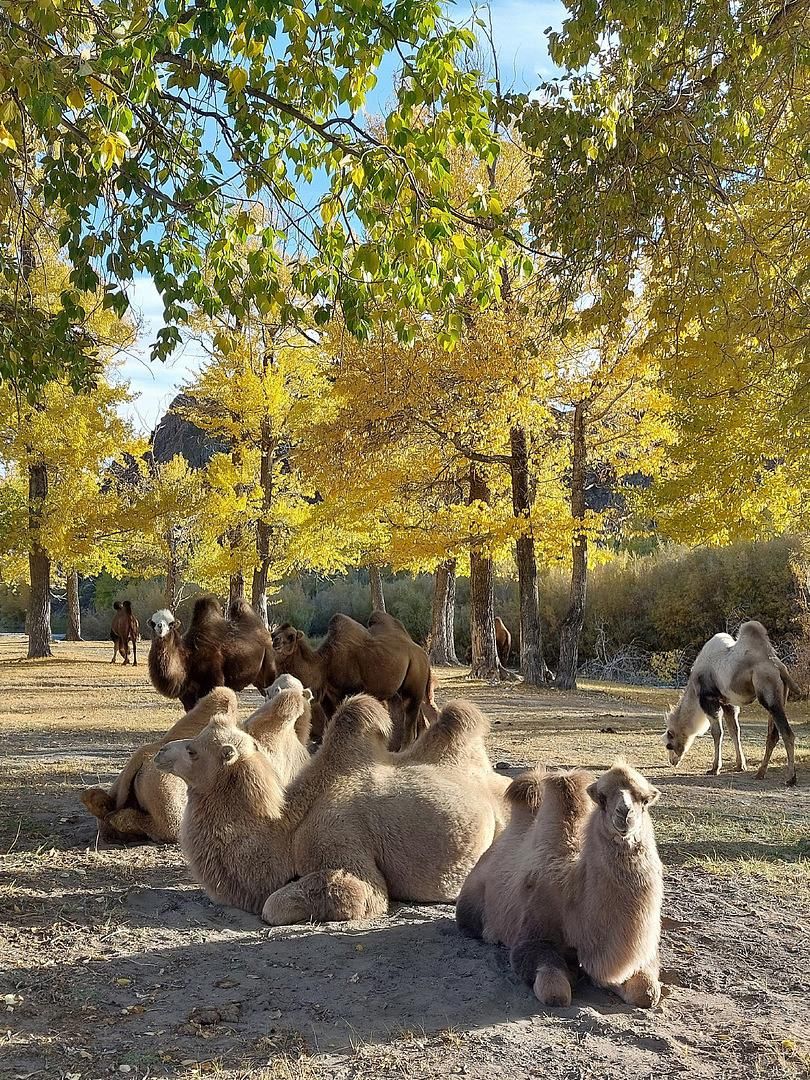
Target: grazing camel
123,629
383,661
574,879
725,675
147,804
353,828
215,651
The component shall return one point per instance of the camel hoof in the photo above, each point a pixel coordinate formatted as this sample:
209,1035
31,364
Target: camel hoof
641,991
761,774
551,987
791,781
741,768
712,771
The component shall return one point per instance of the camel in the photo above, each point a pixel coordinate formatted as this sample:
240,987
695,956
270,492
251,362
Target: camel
215,651
123,629
574,879
503,640
353,828
725,675
145,803
383,661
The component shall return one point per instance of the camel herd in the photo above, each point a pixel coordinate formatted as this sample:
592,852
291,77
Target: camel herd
399,802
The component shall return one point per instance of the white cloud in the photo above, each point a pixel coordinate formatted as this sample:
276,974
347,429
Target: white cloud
154,383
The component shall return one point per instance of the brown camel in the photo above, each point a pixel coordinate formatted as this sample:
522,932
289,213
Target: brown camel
383,661
147,804
352,830
725,675
574,879
503,640
215,651
124,628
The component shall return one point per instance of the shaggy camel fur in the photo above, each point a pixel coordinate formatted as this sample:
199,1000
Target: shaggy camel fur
574,879
145,803
215,651
123,629
725,675
383,661
352,830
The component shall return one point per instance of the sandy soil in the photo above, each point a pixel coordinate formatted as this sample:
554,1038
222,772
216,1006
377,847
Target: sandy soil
112,963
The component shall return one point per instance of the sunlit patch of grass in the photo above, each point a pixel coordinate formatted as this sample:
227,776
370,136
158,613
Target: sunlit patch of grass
777,877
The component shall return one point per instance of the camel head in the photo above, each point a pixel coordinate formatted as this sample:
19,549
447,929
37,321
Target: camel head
162,622
681,731
204,760
287,682
623,796
285,641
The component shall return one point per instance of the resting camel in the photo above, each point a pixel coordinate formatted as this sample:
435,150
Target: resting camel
123,629
383,661
350,831
215,651
725,675
145,803
574,879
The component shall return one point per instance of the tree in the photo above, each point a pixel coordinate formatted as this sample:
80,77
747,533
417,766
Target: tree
442,645
152,125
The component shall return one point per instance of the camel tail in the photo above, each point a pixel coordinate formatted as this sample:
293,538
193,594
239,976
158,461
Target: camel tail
789,682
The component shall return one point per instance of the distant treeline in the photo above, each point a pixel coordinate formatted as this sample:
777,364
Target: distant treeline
671,600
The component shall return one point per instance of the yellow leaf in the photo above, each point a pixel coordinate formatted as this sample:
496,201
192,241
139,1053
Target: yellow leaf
238,78
7,139
76,98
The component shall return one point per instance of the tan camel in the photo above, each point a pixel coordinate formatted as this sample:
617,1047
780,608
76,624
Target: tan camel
353,829
574,879
145,803
383,661
725,675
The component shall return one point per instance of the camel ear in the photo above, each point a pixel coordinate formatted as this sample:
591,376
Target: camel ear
229,754
299,634
308,695
655,795
593,791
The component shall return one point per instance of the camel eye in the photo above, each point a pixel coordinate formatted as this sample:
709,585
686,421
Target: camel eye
152,623
192,753
669,733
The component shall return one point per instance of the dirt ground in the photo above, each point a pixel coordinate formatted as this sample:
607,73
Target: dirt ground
113,963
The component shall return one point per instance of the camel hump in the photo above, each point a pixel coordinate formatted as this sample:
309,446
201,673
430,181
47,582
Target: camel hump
241,611
753,631
384,618
462,719
359,717
568,791
344,631
117,605
205,608
527,789
127,605
284,709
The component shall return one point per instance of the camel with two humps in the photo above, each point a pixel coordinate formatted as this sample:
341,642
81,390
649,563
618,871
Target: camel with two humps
145,803
574,882
726,675
355,828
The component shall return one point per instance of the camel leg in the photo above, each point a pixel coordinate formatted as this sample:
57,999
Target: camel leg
134,652
131,823
780,725
125,651
537,962
115,652
410,722
771,739
328,896
642,989
710,704
731,714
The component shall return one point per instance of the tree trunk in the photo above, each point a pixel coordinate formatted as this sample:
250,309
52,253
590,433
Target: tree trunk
575,616
258,595
485,664
236,587
532,663
74,615
173,572
442,626
377,595
39,563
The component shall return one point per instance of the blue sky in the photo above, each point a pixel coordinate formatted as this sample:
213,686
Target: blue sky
520,40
